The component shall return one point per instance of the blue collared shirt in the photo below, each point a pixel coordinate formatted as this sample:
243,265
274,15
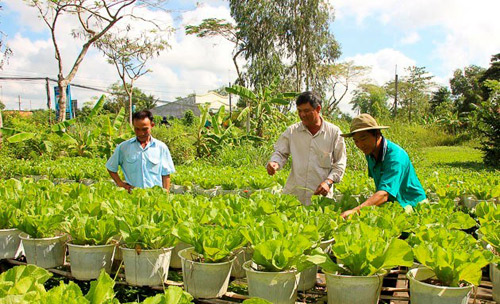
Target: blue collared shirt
142,167
393,172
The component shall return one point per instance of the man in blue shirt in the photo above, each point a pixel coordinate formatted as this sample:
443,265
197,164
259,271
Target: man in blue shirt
145,161
388,164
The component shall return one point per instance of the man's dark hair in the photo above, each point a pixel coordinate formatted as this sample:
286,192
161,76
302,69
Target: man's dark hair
142,115
309,97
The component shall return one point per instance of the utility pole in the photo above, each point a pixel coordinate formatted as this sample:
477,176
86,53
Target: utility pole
19,99
47,89
230,108
396,92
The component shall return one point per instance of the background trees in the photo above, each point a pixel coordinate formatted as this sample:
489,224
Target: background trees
94,19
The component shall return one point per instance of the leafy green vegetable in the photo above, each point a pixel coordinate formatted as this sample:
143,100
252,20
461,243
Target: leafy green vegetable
454,256
364,251
213,243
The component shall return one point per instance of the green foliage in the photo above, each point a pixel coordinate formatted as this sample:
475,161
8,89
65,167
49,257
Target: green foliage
23,284
413,93
454,256
281,254
145,230
172,295
180,141
189,118
371,99
365,250
212,243
85,230
489,124
466,88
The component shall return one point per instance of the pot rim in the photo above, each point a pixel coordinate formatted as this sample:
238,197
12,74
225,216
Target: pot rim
247,268
411,278
26,237
202,263
164,249
381,274
70,244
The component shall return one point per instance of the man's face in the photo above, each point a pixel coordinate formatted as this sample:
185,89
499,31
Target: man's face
142,128
308,115
365,141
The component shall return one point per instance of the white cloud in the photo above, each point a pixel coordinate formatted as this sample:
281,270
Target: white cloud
192,64
469,26
383,65
411,38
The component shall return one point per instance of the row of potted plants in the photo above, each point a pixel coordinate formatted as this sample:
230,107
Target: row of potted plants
282,235
25,284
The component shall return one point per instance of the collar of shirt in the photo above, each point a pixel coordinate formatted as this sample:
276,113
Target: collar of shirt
381,154
151,143
321,129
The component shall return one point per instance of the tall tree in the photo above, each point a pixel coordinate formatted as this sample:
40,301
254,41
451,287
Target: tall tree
130,52
466,88
414,91
284,39
120,99
440,100
492,73
94,18
339,78
371,99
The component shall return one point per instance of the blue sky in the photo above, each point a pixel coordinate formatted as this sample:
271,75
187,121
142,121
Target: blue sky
442,36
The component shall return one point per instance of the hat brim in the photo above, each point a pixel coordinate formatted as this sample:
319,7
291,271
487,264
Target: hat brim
364,129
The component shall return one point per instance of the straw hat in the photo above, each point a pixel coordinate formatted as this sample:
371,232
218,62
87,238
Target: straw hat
363,122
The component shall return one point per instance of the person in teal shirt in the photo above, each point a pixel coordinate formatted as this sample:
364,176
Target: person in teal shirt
388,164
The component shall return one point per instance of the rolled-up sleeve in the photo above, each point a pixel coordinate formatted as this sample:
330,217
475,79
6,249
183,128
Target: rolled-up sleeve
167,165
339,159
281,149
114,161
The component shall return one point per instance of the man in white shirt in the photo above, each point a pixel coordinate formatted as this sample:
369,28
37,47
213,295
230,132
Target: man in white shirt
317,149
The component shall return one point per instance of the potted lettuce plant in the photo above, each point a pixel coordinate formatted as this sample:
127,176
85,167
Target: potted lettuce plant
91,247
206,266
366,253
147,244
452,261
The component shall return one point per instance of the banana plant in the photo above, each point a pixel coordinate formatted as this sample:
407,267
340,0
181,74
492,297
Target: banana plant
260,104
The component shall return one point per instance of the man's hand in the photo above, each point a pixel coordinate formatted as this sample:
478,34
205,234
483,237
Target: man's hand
126,186
322,189
347,213
272,167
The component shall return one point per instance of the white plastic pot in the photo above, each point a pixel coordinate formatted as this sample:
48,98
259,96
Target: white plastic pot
175,260
423,293
308,278
177,189
204,280
146,267
9,243
276,287
326,245
44,252
495,280
245,254
87,261
345,289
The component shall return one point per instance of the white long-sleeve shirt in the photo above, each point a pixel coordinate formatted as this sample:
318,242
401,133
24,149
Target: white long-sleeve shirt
314,158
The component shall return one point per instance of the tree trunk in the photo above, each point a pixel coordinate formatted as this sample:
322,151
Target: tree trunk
130,105
62,84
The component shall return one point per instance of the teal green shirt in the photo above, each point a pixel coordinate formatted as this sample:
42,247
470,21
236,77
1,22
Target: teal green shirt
394,173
